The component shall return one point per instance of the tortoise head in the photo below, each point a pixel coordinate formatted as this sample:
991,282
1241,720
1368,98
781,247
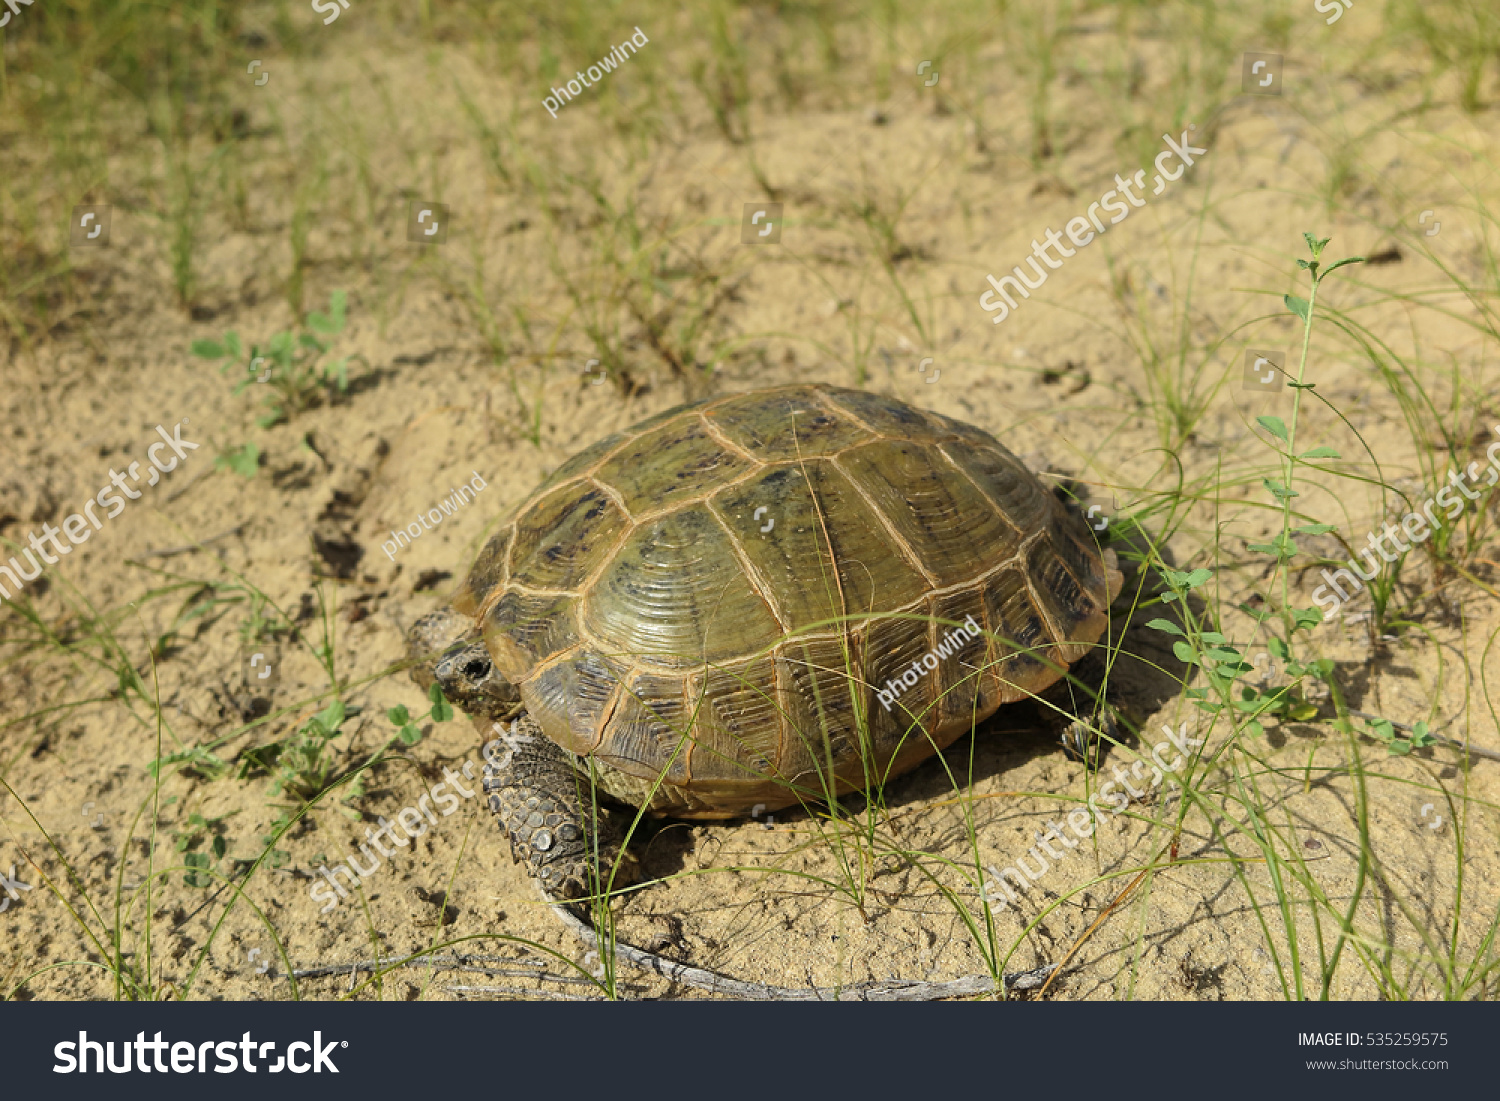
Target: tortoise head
449,650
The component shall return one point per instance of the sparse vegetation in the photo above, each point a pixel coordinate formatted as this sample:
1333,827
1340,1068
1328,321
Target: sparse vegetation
290,364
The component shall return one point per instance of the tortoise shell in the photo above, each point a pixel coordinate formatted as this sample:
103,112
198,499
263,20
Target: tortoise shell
759,595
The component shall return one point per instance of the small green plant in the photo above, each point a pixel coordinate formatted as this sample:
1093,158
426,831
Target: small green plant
198,761
1033,42
1384,730
724,79
1209,650
187,843
406,727
257,626
301,764
291,364
243,460
1223,664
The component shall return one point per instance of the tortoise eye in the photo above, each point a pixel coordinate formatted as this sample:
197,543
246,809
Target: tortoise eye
476,668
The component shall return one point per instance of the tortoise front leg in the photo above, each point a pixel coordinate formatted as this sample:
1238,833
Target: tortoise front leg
549,813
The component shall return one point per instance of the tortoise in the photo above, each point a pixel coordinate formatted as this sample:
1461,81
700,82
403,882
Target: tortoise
752,601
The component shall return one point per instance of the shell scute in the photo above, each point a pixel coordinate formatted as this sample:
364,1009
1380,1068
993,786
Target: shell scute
651,732
963,657
674,463
1024,645
564,537
570,697
738,721
824,699
522,629
576,467
790,425
676,595
893,419
932,505
817,571
490,569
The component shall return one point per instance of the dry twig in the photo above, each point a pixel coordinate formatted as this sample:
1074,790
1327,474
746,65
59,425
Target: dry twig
875,990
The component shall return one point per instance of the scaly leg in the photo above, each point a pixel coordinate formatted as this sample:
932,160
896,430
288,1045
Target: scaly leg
546,808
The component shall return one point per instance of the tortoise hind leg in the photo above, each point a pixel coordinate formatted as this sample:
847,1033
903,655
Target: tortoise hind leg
549,813
1088,740
1093,708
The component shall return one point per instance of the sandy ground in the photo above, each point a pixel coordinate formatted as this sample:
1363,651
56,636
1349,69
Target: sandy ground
1058,382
